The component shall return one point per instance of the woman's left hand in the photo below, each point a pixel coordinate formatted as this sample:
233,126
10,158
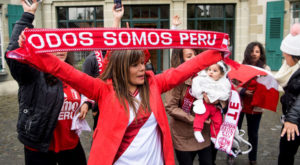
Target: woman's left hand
83,111
290,129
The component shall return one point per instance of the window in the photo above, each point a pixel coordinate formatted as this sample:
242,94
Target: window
150,16
80,17
214,17
295,12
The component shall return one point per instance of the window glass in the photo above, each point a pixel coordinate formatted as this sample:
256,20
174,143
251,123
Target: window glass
191,11
212,17
150,16
211,25
229,11
153,12
295,12
62,25
62,13
165,12
99,12
136,12
145,12
86,13
80,17
81,24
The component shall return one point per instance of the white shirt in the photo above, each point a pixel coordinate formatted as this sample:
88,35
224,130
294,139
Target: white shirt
146,147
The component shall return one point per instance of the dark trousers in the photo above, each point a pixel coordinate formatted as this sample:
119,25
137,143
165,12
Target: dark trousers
187,157
253,121
288,150
214,152
74,156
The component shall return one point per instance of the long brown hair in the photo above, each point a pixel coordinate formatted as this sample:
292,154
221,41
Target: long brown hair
247,54
117,70
177,57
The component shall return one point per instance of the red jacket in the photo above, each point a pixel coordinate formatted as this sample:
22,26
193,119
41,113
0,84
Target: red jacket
247,100
113,119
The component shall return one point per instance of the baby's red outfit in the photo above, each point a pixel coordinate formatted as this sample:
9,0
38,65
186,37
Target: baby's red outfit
215,116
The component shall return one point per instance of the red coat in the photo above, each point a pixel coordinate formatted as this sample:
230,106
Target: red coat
247,100
113,119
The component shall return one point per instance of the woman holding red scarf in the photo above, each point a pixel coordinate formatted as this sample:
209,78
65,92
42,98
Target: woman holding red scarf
134,125
47,106
254,55
179,106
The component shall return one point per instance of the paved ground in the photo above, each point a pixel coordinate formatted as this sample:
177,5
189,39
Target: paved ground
11,150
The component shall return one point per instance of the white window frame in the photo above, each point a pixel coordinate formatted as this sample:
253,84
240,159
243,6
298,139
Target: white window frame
294,20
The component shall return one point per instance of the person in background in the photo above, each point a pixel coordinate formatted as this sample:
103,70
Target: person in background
149,66
254,55
45,119
91,64
178,105
290,137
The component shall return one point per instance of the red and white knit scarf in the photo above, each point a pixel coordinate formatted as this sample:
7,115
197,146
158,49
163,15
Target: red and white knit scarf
87,39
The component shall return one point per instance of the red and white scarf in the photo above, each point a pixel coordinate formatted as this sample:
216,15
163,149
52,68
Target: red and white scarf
87,39
229,125
99,57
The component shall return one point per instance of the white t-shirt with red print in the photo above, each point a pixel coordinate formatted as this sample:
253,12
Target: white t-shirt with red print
63,137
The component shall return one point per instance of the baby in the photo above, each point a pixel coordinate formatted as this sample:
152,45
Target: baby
216,86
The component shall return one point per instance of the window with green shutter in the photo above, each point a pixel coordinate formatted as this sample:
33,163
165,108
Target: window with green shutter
274,33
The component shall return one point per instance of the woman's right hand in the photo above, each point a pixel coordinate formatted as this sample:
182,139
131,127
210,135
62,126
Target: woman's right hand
249,92
21,39
30,9
291,130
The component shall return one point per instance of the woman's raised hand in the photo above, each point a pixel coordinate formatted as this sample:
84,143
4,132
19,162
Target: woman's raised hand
176,22
118,14
30,9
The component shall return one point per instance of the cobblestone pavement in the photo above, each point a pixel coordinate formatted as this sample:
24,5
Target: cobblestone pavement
11,150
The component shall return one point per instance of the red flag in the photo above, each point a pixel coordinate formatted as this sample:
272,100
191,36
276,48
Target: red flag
242,73
266,94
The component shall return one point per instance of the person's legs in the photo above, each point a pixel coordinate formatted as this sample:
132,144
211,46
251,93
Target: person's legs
214,152
185,157
38,158
253,121
240,123
288,150
74,156
205,156
216,122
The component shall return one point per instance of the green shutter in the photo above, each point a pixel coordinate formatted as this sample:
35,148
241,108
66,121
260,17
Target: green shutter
274,33
14,13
